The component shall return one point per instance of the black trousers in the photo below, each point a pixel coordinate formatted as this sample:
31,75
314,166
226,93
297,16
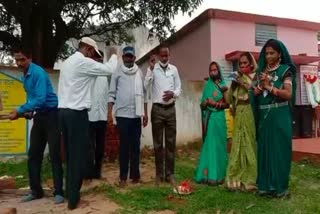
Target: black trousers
75,130
97,142
45,129
129,148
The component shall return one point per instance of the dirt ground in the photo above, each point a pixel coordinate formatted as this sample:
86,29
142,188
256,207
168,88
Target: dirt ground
91,203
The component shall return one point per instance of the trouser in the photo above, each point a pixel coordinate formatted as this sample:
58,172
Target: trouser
163,119
129,149
45,129
97,143
75,130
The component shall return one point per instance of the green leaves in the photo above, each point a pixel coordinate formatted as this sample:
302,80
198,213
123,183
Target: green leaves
88,13
65,19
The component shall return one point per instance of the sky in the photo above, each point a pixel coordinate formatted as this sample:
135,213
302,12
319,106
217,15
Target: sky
308,10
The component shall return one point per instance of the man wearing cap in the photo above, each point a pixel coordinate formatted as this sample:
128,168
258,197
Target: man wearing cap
164,81
128,94
77,75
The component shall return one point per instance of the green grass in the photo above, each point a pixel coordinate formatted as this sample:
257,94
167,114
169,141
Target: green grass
12,168
305,186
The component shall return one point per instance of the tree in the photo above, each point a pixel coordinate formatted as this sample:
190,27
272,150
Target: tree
45,25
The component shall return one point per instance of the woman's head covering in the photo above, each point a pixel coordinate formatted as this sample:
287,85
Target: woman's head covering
251,60
285,59
219,69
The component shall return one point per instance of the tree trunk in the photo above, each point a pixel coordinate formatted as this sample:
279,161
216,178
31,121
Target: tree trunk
37,35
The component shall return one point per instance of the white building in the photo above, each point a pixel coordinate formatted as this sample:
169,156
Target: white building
142,43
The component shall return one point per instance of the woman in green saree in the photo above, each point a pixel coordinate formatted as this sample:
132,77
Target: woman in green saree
212,165
275,97
242,168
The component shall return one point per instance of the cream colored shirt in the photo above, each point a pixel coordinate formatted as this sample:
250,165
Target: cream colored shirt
77,76
158,81
99,99
122,93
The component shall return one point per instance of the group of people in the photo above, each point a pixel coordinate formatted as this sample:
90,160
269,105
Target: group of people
260,97
85,104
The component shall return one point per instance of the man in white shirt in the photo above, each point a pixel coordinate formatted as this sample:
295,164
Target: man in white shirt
98,120
77,75
128,94
164,80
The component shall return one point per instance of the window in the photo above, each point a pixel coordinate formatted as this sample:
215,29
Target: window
264,33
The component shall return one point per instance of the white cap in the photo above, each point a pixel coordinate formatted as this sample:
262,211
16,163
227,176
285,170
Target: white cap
91,42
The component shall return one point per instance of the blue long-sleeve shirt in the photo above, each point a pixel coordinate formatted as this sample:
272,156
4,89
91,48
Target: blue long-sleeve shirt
39,89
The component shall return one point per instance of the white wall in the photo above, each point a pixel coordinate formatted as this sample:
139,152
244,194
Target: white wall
187,114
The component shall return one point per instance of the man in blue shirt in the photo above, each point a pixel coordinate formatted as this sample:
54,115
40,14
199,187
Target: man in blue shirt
42,100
